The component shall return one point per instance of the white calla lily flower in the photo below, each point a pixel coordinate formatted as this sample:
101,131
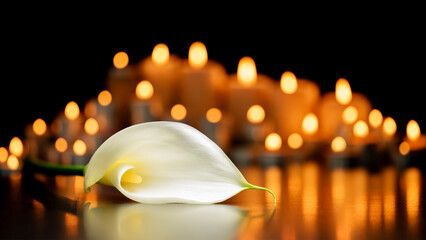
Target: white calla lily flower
165,162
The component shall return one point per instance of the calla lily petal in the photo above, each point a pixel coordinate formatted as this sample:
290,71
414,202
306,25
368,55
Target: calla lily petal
165,162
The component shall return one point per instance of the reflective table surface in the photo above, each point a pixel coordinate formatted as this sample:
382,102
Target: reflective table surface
314,201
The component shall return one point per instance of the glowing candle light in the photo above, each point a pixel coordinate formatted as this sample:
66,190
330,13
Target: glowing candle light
39,127
338,144
415,138
288,82
12,162
360,129
144,90
295,141
72,111
389,127
178,112
79,147
246,72
273,154
214,115
375,118
216,126
91,126
4,154
310,124
197,55
104,113
273,142
343,91
61,145
256,114
104,98
120,60
160,54
404,148
350,115
16,147
141,106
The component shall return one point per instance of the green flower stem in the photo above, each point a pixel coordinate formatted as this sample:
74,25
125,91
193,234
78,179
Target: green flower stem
251,186
32,164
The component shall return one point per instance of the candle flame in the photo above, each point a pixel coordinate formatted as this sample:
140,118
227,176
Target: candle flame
160,54
12,162
61,145
91,126
273,142
178,112
104,98
79,147
295,141
375,118
360,129
120,60
144,90
214,115
39,127
338,144
197,56
246,72
404,148
310,124
350,115
343,91
3,154
389,126
72,111
16,147
256,114
288,82
413,130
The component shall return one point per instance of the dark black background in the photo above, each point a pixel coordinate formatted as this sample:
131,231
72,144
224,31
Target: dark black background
44,68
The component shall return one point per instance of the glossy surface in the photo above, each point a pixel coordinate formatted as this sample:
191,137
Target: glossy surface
314,202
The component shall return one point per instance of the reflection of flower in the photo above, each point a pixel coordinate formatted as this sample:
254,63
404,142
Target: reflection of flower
171,221
164,162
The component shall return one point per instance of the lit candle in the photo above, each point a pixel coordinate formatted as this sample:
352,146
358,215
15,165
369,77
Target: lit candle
178,113
91,135
340,154
216,126
340,109
312,145
415,138
271,154
104,114
256,127
141,107
162,69
79,156
57,153
375,120
16,151
292,102
36,137
4,154
202,83
68,124
247,88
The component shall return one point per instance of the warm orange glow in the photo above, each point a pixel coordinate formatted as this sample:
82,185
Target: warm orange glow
343,91
256,114
213,115
39,126
16,147
310,124
79,147
288,82
295,141
178,112
246,72
197,56
375,118
273,142
72,111
338,144
361,129
350,115
144,90
90,109
61,145
3,154
160,54
12,162
413,130
120,60
389,126
104,98
404,148
412,183
91,126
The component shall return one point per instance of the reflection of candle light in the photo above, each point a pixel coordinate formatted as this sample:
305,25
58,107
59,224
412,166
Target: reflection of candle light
144,90
79,147
360,129
246,71
256,114
288,82
213,115
61,145
72,111
3,154
343,91
375,118
39,127
197,56
16,147
104,98
404,148
91,126
310,124
412,183
12,162
350,115
120,60
273,142
160,54
178,112
338,144
413,130
295,141
389,127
